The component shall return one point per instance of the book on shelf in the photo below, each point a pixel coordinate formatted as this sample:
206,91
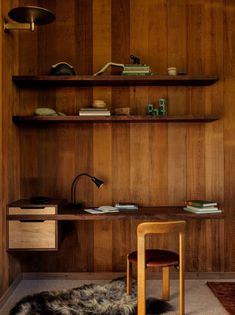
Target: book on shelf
204,211
202,208
94,112
136,69
136,73
200,203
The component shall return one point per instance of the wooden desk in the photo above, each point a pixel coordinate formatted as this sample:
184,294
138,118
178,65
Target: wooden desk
88,238
144,213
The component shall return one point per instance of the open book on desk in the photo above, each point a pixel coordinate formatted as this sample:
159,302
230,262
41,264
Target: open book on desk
102,209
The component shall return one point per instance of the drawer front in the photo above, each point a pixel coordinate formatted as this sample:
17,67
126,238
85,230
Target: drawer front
25,210
32,235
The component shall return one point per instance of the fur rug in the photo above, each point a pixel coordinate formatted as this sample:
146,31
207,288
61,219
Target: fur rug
91,299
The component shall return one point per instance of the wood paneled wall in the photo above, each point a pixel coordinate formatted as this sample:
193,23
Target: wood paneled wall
151,164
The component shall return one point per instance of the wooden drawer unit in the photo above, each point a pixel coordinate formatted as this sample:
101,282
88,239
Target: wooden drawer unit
32,234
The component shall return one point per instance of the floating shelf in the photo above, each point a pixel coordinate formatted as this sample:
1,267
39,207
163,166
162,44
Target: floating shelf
114,80
114,119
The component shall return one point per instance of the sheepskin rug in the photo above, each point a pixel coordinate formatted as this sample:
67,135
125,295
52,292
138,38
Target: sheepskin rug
91,299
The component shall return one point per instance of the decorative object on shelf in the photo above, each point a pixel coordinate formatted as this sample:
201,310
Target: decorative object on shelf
99,104
122,111
136,60
152,111
45,111
107,65
27,17
62,68
172,71
162,107
161,111
74,203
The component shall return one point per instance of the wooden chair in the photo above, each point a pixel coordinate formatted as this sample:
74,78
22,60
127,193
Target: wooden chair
157,258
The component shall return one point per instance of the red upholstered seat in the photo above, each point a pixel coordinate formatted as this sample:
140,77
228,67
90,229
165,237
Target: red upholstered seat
157,258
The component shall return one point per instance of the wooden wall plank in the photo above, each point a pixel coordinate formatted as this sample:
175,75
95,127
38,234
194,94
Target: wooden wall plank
229,129
102,137
177,102
9,46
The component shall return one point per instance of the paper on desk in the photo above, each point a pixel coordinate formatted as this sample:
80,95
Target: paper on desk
101,210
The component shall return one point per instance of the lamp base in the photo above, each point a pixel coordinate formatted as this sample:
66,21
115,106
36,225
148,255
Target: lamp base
78,205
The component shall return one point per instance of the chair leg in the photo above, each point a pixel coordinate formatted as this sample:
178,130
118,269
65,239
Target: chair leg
181,276
128,276
166,283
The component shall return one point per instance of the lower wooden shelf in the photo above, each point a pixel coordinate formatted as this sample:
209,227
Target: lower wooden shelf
114,119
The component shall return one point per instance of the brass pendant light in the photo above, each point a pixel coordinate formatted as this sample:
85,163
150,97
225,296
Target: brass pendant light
27,17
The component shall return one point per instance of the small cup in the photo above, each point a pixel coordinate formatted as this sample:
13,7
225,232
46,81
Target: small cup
172,71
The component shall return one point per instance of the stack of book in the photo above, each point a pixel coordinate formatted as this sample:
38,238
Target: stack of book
136,69
202,206
94,112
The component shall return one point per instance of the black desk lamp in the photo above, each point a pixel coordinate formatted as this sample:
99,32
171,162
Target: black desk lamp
97,181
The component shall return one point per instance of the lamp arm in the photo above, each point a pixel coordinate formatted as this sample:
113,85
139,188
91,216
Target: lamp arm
73,186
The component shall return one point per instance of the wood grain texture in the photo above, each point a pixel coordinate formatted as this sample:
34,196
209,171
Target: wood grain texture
229,129
177,100
102,136
32,235
151,164
9,142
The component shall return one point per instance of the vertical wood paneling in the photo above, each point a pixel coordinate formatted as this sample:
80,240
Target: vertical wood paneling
151,164
9,141
196,99
158,135
229,131
102,154
177,102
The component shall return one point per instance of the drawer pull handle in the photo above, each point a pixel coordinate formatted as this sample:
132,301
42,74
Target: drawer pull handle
32,220
27,207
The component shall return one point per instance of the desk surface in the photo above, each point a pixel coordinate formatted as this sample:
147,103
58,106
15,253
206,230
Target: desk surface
148,213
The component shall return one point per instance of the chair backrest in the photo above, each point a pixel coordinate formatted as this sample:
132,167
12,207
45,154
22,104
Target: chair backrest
157,228
160,227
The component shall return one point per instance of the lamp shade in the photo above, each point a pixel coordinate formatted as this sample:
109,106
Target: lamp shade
97,181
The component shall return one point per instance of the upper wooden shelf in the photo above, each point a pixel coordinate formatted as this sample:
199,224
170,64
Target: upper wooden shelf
113,80
113,119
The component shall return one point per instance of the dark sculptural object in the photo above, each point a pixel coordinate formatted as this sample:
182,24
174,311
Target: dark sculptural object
135,60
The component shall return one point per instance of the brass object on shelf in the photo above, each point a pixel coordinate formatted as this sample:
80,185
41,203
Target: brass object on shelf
27,17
